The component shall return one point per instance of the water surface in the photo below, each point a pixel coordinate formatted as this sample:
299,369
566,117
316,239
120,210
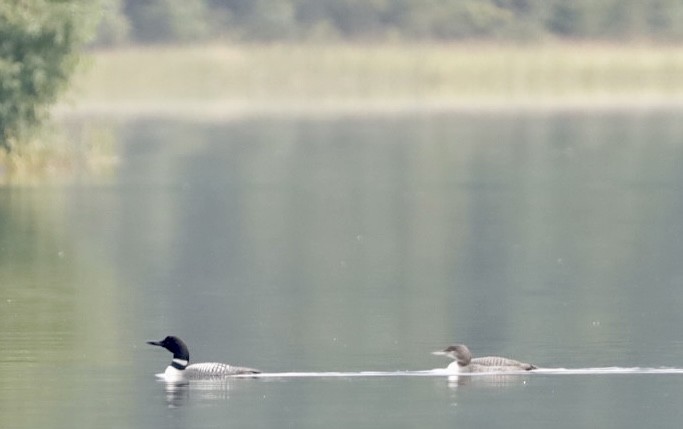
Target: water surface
347,245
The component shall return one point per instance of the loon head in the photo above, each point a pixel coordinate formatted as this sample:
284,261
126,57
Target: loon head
458,352
181,356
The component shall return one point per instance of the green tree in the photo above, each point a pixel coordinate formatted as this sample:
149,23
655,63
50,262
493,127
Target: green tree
114,26
448,19
39,50
168,20
182,20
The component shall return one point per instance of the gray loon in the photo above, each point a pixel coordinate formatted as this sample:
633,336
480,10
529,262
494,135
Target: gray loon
179,370
465,363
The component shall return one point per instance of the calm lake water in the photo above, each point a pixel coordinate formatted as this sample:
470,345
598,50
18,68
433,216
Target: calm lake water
353,244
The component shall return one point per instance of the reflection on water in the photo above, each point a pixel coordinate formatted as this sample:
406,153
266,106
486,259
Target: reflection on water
350,245
178,394
216,388
422,226
496,381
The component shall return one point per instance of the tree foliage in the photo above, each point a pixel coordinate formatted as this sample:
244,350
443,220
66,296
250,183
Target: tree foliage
39,41
179,20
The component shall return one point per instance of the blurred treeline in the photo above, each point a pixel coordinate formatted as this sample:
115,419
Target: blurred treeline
172,21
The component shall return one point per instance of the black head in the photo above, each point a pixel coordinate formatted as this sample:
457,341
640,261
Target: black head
174,345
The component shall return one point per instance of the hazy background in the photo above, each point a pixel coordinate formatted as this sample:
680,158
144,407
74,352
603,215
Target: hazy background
348,186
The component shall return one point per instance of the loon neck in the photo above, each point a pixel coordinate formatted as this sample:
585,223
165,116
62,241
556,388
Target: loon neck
180,352
461,361
179,364
461,354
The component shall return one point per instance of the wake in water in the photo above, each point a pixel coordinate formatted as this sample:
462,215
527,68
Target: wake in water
445,373
221,388
608,371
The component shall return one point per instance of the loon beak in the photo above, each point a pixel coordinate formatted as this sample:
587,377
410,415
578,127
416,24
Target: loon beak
154,343
439,353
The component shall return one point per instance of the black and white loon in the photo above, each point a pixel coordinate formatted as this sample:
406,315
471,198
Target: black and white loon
180,370
465,363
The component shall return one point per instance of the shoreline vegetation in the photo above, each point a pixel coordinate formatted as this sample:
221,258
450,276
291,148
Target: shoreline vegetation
50,156
219,81
228,81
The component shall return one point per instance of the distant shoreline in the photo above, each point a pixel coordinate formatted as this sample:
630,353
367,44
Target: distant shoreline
233,80
231,110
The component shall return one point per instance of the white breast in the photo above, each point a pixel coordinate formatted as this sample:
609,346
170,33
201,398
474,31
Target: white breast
453,367
172,374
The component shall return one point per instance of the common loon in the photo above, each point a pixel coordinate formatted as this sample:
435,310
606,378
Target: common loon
179,370
465,363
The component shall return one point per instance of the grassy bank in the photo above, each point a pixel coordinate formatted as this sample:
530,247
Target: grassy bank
276,76
49,156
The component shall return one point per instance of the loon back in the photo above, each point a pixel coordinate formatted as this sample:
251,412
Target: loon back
501,362
215,370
